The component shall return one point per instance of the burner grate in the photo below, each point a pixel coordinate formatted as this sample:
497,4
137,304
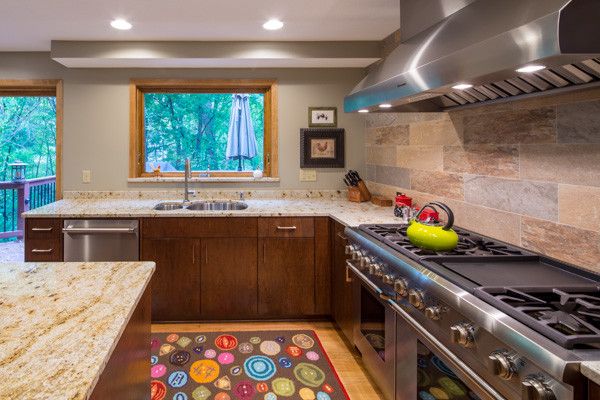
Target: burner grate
569,316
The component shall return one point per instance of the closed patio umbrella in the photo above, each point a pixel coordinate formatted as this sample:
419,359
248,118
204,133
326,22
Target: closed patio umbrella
241,141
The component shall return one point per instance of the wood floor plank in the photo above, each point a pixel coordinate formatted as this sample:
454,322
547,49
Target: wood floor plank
346,362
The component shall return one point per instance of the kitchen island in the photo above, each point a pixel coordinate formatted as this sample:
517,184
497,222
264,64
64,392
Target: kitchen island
75,330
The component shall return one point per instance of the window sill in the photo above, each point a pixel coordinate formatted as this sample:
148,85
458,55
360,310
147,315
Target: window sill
216,179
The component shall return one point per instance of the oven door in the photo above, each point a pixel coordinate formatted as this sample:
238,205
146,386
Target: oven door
374,331
427,369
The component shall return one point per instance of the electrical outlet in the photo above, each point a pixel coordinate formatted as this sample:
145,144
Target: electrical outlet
308,175
86,176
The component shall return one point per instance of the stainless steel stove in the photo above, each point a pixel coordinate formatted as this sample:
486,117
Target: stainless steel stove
498,321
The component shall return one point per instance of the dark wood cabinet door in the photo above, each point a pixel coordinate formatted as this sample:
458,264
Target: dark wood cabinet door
341,296
229,278
286,277
176,282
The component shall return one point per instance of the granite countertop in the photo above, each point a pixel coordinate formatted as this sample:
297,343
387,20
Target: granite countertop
60,322
344,211
591,370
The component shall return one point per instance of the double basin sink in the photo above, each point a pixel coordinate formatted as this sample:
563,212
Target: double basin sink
201,206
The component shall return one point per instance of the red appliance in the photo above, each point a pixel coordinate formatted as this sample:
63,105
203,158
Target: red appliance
403,200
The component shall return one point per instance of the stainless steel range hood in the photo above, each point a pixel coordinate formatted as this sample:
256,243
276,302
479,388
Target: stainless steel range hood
482,45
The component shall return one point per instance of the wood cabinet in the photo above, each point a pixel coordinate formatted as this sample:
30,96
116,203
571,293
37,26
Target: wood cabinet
341,288
43,239
176,281
286,277
228,283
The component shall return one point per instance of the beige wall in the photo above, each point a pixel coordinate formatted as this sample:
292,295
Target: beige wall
525,172
96,117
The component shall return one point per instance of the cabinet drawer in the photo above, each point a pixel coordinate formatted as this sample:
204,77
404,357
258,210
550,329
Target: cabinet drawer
286,227
43,250
43,228
189,227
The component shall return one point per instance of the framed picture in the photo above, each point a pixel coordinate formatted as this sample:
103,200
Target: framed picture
322,148
322,117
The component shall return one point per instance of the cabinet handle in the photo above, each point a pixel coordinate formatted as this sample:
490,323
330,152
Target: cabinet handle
194,254
205,254
43,251
348,278
342,236
41,229
286,228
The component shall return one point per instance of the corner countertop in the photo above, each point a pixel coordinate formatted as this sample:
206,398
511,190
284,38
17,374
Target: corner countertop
344,211
591,370
60,322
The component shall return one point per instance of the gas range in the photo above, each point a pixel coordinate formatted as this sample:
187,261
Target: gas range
522,321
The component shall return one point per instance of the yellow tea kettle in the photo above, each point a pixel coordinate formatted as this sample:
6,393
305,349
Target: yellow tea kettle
433,237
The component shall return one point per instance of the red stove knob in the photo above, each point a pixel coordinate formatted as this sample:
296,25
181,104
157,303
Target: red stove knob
463,334
534,388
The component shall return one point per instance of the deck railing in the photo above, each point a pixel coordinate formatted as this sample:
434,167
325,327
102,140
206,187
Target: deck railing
16,197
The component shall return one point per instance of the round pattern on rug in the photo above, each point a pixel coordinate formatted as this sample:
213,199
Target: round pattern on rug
226,358
270,347
226,342
260,368
309,374
303,341
284,387
204,371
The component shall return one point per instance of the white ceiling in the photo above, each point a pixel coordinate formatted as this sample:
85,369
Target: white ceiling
30,25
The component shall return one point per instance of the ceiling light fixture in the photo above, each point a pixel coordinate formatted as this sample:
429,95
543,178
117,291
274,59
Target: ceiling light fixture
531,68
363,110
462,86
120,24
385,105
273,24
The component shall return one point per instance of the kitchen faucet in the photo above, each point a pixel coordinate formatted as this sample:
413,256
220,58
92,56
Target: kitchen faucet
186,178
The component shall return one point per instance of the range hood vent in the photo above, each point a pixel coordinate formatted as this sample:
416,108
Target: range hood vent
483,45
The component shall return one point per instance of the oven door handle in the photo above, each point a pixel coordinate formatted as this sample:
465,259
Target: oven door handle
367,282
441,348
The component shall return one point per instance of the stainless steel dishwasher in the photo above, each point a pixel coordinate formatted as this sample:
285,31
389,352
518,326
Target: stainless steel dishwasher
101,240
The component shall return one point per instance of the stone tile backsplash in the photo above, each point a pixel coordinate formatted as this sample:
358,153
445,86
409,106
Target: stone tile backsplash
525,172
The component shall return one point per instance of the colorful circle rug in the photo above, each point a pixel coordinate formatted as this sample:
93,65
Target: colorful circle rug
252,365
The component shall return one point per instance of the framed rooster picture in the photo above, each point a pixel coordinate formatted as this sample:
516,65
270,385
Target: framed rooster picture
322,148
322,117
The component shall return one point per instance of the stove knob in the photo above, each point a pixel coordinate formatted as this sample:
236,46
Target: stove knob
433,312
376,269
365,261
416,298
502,365
401,287
356,255
349,249
462,334
388,279
534,388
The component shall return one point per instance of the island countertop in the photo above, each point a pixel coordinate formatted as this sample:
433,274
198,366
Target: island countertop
60,322
591,370
290,204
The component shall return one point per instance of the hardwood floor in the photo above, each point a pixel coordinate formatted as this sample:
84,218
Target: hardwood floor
347,363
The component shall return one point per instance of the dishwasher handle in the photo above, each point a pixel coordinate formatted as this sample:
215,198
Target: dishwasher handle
83,231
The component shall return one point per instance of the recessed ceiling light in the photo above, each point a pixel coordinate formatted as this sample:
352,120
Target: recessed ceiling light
462,86
273,24
531,68
385,105
363,110
120,24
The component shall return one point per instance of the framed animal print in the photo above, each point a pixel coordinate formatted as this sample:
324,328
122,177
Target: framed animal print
322,117
322,148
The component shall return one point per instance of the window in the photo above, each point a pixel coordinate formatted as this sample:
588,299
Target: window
226,128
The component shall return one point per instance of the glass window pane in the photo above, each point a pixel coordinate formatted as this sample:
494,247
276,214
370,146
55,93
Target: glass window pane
203,126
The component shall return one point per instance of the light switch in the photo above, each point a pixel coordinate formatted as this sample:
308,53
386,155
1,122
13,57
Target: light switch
86,176
308,175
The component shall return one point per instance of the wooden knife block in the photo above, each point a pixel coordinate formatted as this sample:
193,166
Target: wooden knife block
359,193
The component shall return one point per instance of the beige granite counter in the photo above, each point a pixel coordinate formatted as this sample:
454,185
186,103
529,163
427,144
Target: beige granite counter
290,204
591,370
59,323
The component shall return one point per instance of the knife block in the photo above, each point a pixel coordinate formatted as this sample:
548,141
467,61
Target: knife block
359,194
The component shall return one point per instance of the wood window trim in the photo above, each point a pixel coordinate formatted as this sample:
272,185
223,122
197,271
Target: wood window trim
42,87
137,88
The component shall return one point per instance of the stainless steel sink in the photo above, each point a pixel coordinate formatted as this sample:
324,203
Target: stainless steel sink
217,205
168,206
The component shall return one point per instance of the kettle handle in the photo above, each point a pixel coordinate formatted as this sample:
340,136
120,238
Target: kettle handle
444,207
